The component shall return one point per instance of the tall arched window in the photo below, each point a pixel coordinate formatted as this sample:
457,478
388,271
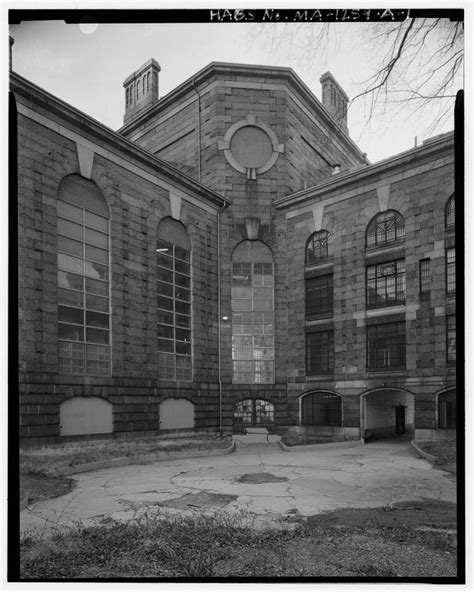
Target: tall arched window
83,278
252,313
450,212
173,258
447,409
318,247
384,228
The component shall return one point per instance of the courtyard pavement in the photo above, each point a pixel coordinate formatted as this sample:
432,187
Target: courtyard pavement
258,478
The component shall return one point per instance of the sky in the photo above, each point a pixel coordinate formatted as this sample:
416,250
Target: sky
86,66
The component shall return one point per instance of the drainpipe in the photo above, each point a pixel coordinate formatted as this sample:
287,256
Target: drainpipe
199,131
219,319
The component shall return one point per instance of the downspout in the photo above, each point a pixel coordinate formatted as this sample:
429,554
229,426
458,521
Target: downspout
219,319
199,131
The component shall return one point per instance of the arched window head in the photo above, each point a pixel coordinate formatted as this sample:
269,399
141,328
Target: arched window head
450,212
385,228
318,247
173,257
83,278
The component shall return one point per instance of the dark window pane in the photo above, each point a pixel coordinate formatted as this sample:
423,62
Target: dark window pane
97,303
71,315
97,319
97,222
183,348
67,210
182,280
164,275
183,307
70,229
182,267
70,332
165,345
96,254
164,317
165,331
97,287
181,253
99,239
164,289
70,297
183,321
68,245
164,261
165,303
182,294
97,336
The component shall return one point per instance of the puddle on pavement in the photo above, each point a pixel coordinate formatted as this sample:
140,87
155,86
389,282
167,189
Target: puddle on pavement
202,499
258,478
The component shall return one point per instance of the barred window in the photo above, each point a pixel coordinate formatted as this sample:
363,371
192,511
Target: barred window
451,338
425,275
318,247
385,284
450,212
173,265
253,350
386,345
323,409
319,296
319,353
451,271
83,278
447,410
385,228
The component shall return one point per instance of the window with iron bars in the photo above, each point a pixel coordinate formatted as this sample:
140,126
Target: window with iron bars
319,296
318,247
385,284
451,271
425,275
319,353
386,346
451,338
385,229
450,218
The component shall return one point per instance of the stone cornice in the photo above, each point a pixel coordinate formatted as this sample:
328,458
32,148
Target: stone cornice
267,73
39,99
431,149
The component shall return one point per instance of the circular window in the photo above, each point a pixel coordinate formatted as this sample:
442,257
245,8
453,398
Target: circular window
251,147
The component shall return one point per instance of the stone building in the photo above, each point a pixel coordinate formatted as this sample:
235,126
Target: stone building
228,258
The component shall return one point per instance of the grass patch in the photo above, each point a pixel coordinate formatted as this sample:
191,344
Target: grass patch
299,439
414,540
444,451
49,458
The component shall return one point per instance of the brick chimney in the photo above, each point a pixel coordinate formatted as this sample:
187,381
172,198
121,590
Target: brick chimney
141,89
334,100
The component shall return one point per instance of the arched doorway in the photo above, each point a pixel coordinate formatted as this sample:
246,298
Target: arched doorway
253,412
387,413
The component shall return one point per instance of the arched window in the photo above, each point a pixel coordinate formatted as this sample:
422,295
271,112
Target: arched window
148,82
318,247
83,278
447,409
321,409
450,212
384,228
252,313
173,258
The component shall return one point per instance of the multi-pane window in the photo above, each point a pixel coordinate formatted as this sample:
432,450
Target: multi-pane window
83,288
319,353
385,228
451,338
386,345
425,275
318,247
385,284
173,272
252,314
451,270
323,409
450,212
319,296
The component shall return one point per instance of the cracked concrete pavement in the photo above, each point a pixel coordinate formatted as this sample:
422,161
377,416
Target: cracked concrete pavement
304,483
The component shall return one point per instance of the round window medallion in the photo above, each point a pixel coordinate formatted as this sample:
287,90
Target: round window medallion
250,147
